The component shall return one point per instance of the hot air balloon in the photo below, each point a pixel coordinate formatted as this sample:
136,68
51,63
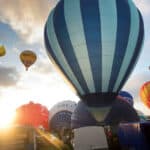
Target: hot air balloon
32,114
28,58
60,116
2,50
126,96
95,44
145,93
60,120
82,117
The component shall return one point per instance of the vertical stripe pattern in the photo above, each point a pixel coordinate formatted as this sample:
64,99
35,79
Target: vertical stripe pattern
52,43
96,43
75,26
107,9
91,23
122,36
66,45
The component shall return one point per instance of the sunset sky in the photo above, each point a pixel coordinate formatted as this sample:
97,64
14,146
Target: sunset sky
21,28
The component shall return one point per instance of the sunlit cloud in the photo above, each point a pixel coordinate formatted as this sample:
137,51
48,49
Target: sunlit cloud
143,5
43,65
8,76
26,17
134,85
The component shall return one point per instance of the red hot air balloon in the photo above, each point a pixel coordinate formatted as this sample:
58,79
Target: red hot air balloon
32,114
145,93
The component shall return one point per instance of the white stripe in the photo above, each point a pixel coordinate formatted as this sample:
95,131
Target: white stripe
133,37
57,51
77,37
108,17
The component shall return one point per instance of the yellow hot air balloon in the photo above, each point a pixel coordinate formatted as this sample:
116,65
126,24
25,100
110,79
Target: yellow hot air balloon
2,50
28,58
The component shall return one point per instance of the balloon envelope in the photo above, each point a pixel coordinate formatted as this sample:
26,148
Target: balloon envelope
60,115
145,93
28,58
126,96
121,112
95,44
2,50
82,117
32,114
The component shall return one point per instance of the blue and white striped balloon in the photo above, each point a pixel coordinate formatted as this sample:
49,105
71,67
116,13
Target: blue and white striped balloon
95,44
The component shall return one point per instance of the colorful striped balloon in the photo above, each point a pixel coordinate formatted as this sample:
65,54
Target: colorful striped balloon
95,44
145,93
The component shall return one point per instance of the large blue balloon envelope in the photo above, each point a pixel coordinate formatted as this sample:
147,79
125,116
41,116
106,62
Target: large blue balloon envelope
95,44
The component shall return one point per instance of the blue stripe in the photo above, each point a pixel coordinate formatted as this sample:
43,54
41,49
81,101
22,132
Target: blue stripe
66,45
53,57
123,30
136,52
91,22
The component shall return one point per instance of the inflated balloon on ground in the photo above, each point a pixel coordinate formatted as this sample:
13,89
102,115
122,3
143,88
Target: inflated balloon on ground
32,114
60,116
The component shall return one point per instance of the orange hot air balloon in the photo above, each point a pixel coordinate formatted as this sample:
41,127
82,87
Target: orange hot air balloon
28,58
145,94
32,114
2,50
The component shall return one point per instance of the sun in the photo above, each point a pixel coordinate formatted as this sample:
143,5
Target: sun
6,116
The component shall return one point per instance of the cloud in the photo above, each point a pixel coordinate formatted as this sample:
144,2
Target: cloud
134,84
143,5
8,76
43,65
26,17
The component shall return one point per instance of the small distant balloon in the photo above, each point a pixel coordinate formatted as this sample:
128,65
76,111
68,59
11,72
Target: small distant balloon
28,58
2,50
145,93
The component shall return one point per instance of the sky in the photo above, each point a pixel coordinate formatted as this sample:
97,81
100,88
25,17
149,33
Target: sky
21,28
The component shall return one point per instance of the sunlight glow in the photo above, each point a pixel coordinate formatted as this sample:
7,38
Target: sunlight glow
6,116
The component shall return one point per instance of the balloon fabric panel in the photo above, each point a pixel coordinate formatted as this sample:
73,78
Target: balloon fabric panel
145,94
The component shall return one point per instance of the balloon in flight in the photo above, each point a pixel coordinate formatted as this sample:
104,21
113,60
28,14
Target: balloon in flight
28,58
145,93
2,50
95,44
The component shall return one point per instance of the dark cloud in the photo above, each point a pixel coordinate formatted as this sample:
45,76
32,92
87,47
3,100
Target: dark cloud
8,76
